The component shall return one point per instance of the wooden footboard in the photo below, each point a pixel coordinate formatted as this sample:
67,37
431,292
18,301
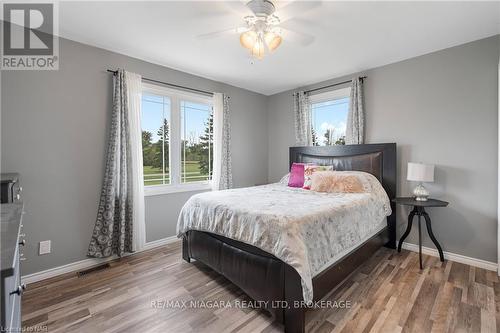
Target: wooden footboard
264,277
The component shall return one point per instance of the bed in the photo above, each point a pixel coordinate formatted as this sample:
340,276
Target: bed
290,247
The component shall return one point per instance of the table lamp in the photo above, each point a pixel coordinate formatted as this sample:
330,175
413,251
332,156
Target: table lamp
419,172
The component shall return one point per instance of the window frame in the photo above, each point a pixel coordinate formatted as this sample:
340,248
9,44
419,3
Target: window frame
175,140
330,95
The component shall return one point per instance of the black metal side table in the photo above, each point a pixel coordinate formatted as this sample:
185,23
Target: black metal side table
419,210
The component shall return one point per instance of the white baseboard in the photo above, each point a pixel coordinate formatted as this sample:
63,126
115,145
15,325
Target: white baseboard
491,266
86,263
160,242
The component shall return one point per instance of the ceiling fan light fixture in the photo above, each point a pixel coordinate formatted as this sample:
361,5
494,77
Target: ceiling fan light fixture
263,34
258,49
261,8
248,39
273,40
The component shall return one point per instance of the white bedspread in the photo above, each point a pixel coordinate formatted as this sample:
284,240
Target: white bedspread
305,229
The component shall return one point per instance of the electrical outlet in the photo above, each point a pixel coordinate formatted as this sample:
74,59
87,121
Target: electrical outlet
44,247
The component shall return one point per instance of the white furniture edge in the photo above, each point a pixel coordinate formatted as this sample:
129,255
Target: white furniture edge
498,185
491,266
86,263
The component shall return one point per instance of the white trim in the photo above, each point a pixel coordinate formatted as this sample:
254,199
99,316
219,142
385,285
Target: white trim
175,188
498,185
158,89
491,266
160,242
86,263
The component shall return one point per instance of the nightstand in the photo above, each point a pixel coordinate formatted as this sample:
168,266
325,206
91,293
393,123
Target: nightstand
419,210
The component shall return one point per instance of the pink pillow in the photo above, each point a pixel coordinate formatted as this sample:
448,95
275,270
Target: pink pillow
296,175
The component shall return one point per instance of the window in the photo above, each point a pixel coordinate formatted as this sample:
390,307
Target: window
196,136
155,124
177,141
329,117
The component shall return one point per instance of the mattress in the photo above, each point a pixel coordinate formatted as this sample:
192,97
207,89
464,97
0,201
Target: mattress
307,230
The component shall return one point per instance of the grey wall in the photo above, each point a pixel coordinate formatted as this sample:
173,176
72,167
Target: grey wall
53,132
439,108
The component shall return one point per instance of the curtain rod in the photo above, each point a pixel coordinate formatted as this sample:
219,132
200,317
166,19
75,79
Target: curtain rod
170,84
332,85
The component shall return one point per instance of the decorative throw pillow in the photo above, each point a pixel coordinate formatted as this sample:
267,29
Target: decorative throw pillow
336,182
296,178
309,170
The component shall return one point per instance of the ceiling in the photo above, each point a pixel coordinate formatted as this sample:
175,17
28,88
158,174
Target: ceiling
349,36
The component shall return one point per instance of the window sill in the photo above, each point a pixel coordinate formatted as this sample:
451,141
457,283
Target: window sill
177,188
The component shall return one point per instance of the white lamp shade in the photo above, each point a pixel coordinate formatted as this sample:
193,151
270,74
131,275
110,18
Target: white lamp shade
420,172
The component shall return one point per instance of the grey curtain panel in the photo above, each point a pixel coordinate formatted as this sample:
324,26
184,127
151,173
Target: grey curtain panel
355,129
113,228
303,121
222,176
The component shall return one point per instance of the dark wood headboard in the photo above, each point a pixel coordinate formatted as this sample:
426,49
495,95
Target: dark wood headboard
378,159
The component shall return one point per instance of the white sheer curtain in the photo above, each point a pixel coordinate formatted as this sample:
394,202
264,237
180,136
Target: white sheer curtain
134,92
222,177
355,131
303,119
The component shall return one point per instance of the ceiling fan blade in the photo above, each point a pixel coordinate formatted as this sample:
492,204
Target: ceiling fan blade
220,33
237,7
295,8
297,37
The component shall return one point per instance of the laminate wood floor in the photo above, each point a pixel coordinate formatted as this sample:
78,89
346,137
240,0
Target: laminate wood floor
387,294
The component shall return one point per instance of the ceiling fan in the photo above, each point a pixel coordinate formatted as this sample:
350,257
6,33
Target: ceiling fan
262,31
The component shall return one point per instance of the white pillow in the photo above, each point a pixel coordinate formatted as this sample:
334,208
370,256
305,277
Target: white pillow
284,179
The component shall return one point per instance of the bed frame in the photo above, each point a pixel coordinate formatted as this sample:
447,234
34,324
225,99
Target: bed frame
266,278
